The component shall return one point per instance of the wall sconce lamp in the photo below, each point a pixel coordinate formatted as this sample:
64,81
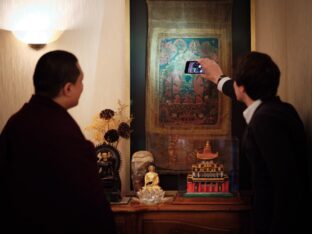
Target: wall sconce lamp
37,22
37,39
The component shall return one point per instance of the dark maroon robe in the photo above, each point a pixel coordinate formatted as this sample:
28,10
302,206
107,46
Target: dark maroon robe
48,174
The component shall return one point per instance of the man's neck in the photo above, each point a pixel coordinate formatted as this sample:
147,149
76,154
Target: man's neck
248,101
59,100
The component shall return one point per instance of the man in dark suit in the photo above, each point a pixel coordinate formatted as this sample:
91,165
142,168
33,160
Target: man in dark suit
274,142
48,172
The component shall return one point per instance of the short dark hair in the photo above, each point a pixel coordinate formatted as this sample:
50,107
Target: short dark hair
259,75
53,70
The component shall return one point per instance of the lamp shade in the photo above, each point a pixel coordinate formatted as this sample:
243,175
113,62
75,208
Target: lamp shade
34,37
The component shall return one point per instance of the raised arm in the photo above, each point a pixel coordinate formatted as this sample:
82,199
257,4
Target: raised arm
214,73
212,69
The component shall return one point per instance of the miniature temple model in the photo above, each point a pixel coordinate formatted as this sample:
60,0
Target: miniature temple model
207,175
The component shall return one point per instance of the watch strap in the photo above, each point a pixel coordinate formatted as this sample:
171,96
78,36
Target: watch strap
220,78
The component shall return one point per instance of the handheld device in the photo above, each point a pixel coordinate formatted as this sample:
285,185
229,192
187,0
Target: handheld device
193,67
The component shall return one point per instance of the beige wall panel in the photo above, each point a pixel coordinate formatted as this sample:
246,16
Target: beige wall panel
299,59
270,34
16,63
284,30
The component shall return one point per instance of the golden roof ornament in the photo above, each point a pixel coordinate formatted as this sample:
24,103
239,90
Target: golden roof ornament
206,154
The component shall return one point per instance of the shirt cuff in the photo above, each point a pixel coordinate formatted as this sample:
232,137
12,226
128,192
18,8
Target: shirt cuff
221,83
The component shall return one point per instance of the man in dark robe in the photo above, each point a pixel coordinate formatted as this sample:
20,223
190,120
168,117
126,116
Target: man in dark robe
48,172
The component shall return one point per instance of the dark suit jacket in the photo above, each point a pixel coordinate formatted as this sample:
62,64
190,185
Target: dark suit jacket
275,144
48,174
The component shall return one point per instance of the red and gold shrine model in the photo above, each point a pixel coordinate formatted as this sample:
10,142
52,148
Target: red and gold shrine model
207,176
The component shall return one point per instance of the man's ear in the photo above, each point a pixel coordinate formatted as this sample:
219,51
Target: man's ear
67,88
242,89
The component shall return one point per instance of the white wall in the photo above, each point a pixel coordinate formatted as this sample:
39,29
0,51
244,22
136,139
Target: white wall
100,39
283,29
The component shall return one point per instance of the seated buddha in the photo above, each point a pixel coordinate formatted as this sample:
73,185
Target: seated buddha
151,179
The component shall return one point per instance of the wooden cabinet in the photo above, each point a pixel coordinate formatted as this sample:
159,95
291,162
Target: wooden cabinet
184,216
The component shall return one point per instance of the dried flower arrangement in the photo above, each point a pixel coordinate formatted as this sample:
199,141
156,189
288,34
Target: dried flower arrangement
109,126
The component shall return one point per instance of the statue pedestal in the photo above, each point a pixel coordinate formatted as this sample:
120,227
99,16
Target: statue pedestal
150,196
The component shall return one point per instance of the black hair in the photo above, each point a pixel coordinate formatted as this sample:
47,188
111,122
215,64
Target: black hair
53,70
259,75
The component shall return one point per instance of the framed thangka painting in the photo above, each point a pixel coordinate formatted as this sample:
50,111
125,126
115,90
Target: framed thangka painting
186,100
183,110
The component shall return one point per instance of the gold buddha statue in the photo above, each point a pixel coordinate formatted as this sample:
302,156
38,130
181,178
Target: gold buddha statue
151,179
151,192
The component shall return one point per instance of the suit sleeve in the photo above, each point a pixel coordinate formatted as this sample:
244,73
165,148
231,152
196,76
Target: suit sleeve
228,89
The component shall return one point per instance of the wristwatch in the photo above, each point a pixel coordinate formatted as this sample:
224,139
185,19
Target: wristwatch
220,78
